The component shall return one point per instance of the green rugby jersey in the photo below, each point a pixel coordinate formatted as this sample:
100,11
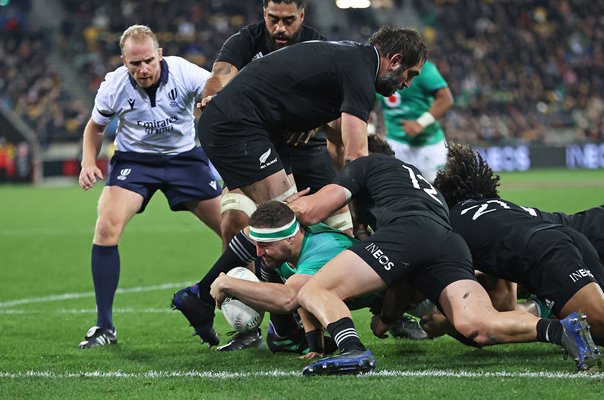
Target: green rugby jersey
410,104
321,244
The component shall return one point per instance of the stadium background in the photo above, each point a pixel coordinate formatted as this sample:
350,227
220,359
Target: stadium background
527,76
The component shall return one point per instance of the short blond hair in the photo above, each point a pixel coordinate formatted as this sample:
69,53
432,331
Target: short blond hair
138,32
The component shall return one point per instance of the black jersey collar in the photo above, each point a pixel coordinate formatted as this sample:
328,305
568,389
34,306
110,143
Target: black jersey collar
163,75
377,71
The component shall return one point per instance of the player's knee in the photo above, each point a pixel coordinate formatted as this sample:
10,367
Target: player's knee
474,332
237,202
107,232
306,296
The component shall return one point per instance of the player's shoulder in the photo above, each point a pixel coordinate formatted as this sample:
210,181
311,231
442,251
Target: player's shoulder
118,75
431,74
309,33
252,31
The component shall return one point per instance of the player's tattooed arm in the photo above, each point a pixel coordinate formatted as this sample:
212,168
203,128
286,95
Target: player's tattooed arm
222,73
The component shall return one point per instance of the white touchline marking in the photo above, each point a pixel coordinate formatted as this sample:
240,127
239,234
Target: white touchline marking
87,311
55,231
280,373
70,296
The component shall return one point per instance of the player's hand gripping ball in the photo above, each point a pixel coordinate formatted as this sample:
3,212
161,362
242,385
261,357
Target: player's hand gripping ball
239,315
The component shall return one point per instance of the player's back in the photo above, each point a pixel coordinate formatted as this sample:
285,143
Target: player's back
496,230
388,189
303,86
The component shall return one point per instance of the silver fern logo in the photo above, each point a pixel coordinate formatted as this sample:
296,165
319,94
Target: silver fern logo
264,157
124,173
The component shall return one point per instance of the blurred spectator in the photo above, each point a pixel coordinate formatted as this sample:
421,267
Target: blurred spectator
530,71
520,70
28,87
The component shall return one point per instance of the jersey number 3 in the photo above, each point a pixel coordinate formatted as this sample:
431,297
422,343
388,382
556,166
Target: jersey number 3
429,190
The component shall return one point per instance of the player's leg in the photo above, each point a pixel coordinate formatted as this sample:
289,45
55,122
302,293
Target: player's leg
503,294
196,303
236,209
431,158
590,301
567,273
116,207
467,305
208,212
276,186
346,276
189,184
313,167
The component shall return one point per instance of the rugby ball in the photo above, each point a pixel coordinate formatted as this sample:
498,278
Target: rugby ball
239,315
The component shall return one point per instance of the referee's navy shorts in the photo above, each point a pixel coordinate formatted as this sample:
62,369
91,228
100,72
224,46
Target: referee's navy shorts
182,177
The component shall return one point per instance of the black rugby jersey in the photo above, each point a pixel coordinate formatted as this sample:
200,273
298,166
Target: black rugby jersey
589,222
385,189
497,232
302,87
252,42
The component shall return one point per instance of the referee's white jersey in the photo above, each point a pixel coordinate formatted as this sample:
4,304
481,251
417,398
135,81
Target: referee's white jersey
164,123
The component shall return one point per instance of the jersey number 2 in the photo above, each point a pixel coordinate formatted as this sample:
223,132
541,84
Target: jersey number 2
429,190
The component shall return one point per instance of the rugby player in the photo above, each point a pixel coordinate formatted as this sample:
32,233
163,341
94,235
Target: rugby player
413,242
507,241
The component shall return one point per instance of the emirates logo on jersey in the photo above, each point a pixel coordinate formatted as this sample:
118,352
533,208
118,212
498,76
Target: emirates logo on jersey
393,101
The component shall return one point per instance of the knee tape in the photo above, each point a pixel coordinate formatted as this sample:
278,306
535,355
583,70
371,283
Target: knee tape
237,201
340,221
287,193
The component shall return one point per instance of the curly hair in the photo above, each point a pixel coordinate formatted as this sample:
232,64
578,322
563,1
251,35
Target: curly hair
466,176
376,144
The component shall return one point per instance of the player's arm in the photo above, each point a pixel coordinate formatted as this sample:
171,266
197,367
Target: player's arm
347,139
314,334
396,300
272,297
91,146
377,116
222,73
443,101
354,137
314,208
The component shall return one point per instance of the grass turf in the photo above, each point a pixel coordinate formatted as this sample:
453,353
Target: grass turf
47,304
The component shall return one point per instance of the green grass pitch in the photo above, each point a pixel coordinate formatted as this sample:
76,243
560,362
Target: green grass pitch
47,304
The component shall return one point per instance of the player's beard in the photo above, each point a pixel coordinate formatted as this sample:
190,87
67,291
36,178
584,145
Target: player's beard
388,84
272,45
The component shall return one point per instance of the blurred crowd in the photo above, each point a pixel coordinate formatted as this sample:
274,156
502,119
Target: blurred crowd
520,70
28,87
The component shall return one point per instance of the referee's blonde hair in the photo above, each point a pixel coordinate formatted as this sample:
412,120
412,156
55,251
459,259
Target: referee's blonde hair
138,32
